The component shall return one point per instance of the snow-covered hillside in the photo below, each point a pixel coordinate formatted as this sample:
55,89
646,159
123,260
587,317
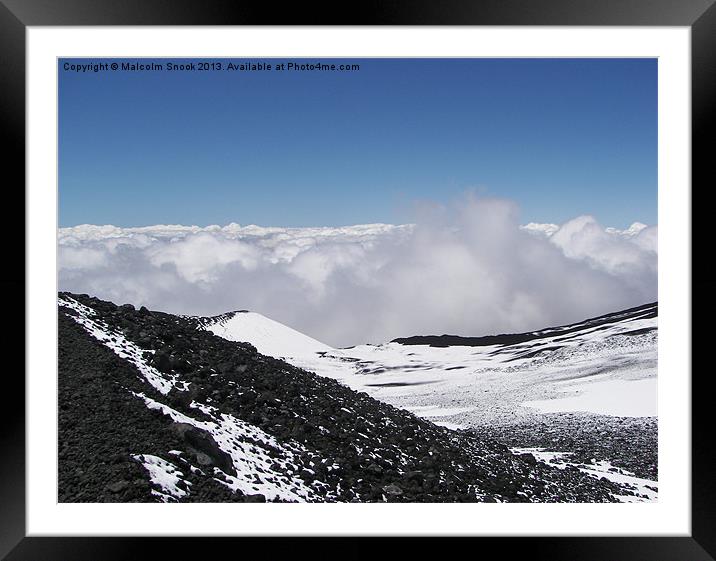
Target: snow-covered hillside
555,389
268,336
604,365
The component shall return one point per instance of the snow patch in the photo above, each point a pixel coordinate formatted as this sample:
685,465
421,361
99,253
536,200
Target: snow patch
641,490
166,475
621,398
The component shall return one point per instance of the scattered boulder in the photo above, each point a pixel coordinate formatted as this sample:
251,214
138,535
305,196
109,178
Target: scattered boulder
118,486
161,362
203,446
374,468
393,490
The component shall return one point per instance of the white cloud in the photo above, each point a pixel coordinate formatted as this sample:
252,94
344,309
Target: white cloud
202,257
468,270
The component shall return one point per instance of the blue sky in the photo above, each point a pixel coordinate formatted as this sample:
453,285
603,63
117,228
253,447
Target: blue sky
561,137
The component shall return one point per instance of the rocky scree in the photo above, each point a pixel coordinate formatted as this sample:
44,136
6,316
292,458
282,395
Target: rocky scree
329,442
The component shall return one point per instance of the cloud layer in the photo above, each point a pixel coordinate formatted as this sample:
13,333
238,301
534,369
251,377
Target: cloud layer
467,270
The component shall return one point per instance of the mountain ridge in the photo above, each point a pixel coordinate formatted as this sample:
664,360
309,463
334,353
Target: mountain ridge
645,311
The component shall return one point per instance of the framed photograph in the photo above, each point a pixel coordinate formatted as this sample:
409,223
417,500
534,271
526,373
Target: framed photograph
426,273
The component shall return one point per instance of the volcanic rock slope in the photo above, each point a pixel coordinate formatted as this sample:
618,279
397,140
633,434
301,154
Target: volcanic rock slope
152,407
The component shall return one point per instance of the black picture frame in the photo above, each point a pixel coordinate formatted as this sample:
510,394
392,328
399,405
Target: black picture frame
17,15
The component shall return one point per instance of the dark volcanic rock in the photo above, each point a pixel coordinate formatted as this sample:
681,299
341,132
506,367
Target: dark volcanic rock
202,442
161,361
